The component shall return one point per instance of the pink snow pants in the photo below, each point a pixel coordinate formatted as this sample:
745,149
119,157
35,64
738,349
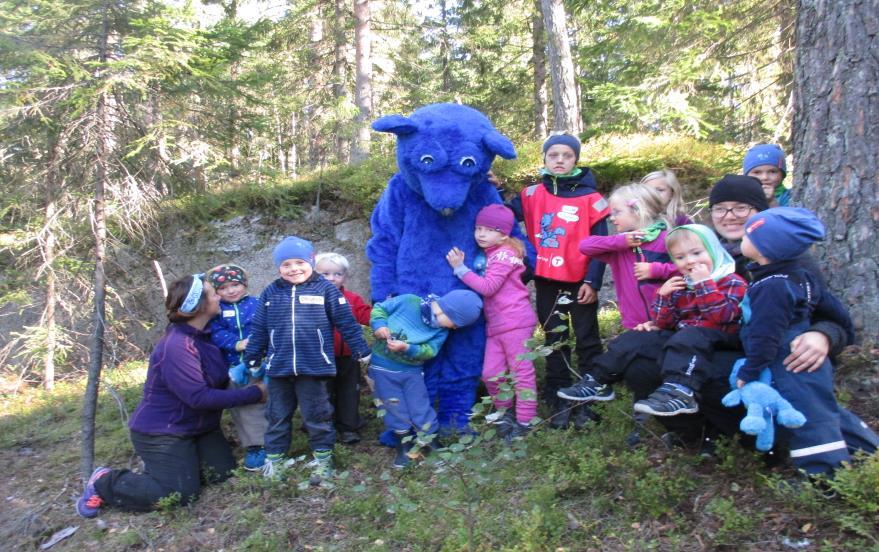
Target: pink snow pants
500,355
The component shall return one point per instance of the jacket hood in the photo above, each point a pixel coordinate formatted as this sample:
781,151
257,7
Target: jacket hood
579,184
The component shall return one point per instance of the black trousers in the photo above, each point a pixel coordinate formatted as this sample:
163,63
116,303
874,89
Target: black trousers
584,319
171,465
346,394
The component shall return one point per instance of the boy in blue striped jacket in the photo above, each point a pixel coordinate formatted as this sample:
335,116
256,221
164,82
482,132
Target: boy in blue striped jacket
293,329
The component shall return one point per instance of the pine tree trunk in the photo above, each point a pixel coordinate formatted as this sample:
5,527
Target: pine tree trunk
835,137
363,80
53,186
293,152
99,228
565,102
340,88
539,57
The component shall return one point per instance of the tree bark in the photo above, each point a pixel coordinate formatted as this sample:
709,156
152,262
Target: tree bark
835,137
565,102
539,57
363,80
99,228
53,186
340,78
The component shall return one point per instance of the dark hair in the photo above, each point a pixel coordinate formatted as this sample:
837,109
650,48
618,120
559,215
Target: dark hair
177,292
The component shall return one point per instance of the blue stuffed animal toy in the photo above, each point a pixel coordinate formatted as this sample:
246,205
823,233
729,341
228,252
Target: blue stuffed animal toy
765,407
444,153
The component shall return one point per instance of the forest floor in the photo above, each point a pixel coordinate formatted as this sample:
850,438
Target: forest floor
556,490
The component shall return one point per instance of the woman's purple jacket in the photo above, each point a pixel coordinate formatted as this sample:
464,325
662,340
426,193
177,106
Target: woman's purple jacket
185,389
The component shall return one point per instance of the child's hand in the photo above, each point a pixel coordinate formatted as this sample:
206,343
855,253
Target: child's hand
740,384
700,272
264,390
383,333
397,346
634,239
649,326
642,271
241,345
455,257
586,295
675,283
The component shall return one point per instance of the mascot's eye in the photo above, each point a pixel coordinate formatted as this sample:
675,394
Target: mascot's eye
427,159
468,161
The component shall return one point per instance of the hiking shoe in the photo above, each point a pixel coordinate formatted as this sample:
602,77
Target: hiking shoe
322,471
668,400
587,390
276,466
349,437
90,503
254,458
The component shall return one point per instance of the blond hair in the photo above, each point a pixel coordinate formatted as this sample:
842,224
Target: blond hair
676,205
335,258
644,202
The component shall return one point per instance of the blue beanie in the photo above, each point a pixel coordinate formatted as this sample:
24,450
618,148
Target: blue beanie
784,233
293,247
764,154
462,306
565,140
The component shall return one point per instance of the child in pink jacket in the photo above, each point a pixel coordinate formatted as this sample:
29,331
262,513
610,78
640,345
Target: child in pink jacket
636,254
510,320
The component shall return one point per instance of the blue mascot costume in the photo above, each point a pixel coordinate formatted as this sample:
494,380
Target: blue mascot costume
444,152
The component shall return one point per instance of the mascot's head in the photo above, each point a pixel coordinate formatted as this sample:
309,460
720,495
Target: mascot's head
443,150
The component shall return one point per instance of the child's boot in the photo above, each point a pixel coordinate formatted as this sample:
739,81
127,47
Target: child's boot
323,467
402,460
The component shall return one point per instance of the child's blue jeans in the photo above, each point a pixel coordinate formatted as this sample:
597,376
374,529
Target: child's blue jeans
404,399
311,395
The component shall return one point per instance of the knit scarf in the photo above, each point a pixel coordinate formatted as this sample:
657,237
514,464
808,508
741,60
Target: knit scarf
653,231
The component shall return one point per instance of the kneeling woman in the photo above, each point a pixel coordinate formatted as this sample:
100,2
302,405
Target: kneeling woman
176,427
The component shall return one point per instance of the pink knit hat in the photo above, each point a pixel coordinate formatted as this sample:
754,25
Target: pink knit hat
496,217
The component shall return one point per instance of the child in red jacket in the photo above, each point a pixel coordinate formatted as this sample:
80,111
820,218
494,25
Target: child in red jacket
346,387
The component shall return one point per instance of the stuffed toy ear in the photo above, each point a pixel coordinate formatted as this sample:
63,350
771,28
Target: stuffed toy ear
499,144
733,398
396,124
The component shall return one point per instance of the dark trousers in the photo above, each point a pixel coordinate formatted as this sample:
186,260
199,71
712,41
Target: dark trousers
346,394
171,465
311,395
584,319
686,355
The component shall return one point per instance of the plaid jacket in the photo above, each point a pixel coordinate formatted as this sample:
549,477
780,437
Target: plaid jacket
710,304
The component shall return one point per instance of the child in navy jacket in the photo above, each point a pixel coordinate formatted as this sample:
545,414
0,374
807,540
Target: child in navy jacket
229,332
293,328
777,307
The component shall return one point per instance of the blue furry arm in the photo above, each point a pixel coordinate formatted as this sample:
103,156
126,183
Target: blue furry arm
382,248
771,303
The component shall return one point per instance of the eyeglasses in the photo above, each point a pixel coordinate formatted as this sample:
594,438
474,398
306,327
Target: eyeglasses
719,212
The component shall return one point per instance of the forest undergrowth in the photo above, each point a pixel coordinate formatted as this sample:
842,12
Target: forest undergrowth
580,489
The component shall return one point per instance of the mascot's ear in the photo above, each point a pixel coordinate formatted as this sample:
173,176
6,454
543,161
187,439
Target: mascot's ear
499,144
396,124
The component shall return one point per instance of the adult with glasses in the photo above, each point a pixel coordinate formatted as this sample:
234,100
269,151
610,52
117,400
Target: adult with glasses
733,200
176,427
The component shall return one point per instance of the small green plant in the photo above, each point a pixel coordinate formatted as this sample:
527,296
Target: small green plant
168,504
735,523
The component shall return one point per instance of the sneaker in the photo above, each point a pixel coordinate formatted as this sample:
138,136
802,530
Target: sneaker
505,423
668,400
276,466
587,390
254,458
349,437
322,471
90,503
560,413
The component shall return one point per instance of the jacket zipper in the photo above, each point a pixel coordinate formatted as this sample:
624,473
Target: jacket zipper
240,333
642,258
293,324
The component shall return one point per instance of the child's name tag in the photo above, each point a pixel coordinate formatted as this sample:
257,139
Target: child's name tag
228,314
342,301
311,299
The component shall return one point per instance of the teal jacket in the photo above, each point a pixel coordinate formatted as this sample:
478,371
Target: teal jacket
407,317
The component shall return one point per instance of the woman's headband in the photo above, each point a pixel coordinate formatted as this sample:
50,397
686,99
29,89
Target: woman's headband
194,295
